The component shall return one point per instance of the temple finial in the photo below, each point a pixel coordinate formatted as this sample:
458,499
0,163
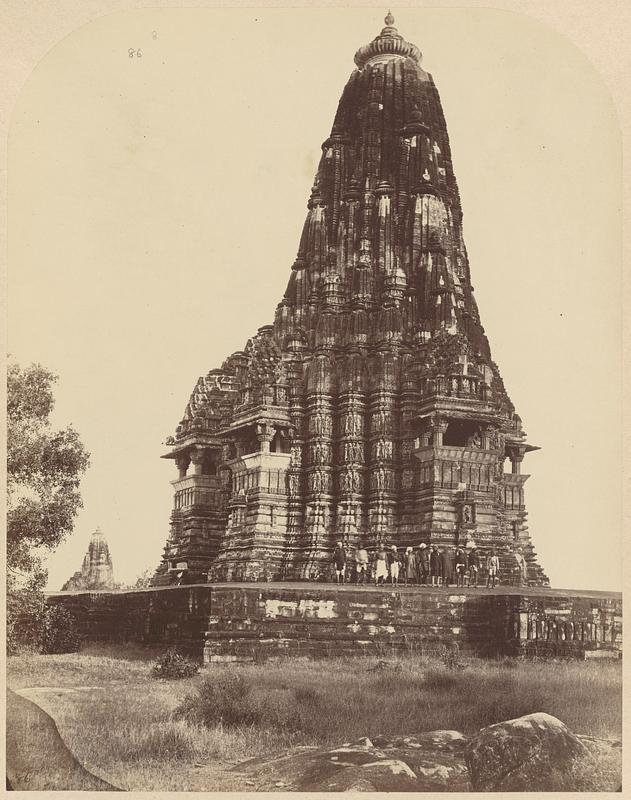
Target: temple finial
389,43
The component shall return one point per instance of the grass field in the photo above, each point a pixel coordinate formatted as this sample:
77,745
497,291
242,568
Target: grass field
147,734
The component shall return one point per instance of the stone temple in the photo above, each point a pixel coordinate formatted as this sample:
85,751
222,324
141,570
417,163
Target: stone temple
371,410
96,571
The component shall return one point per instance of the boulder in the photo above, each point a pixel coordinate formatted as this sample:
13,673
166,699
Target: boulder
431,761
530,753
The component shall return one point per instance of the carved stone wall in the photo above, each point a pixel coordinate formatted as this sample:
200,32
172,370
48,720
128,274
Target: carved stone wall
237,622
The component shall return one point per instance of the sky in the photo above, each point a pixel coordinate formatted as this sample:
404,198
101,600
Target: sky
156,204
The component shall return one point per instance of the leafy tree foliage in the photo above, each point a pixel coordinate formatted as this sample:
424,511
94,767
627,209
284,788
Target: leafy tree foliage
44,467
143,581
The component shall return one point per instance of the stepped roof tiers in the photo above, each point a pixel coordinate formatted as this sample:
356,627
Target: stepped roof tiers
96,571
371,410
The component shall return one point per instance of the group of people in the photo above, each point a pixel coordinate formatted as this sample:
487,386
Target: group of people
425,566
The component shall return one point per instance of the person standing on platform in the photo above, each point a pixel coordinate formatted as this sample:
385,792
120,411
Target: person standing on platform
422,564
381,567
520,567
361,564
393,564
461,566
492,568
434,565
339,560
448,565
473,563
410,565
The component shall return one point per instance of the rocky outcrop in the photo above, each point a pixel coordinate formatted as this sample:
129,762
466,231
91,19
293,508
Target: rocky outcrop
37,757
533,753
426,762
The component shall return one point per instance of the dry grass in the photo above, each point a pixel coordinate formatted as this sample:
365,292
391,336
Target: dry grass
125,725
339,700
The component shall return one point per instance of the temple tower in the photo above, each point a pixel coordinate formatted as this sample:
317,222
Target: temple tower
96,571
371,410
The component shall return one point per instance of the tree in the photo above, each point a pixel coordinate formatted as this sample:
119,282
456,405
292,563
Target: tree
143,581
44,467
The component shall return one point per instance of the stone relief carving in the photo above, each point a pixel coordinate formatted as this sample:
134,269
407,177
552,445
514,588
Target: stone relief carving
320,453
353,451
382,449
353,424
381,479
380,421
350,480
320,424
346,480
319,481
296,455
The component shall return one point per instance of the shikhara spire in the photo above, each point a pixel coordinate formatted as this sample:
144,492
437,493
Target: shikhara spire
96,571
370,411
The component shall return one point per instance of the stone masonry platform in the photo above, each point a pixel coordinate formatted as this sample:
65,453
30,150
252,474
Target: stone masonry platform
257,621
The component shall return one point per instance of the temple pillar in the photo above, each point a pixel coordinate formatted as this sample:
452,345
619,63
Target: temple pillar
486,432
516,455
182,462
198,455
438,428
265,434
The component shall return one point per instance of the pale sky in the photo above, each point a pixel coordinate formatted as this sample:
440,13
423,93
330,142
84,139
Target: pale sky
155,208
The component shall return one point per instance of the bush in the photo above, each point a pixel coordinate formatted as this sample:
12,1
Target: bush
25,614
33,626
220,699
173,666
231,700
60,631
450,656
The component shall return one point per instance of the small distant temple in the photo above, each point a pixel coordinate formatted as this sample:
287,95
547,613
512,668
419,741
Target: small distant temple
371,411
96,571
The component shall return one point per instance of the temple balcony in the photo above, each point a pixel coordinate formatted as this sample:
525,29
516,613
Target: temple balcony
197,490
457,386
457,468
260,473
253,414
473,455
512,491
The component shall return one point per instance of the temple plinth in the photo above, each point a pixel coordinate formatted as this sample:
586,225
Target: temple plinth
370,411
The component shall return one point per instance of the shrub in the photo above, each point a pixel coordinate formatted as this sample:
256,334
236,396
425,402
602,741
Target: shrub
229,699
60,631
25,614
220,699
173,666
450,656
